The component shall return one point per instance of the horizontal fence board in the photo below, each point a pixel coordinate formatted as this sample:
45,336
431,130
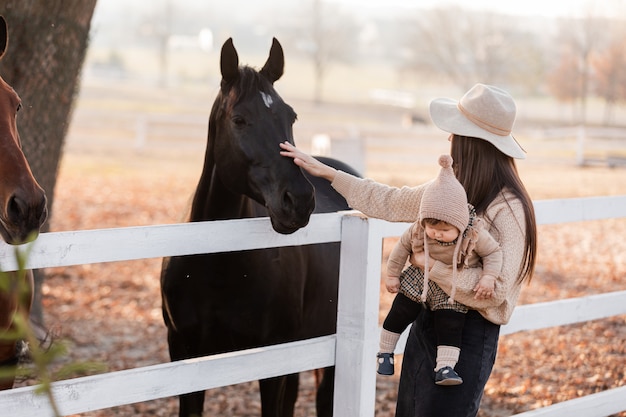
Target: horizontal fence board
563,312
389,229
165,380
130,243
554,211
600,404
579,209
556,313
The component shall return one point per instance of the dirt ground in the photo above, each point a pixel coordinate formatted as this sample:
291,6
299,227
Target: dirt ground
113,176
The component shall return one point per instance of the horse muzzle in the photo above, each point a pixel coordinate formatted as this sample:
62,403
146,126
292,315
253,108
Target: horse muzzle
293,212
23,217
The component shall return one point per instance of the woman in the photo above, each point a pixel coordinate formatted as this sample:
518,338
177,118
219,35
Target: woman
483,151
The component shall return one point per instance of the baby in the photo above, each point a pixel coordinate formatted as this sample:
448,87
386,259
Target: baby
447,231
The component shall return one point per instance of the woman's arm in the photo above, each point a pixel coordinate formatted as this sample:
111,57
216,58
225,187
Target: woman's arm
370,197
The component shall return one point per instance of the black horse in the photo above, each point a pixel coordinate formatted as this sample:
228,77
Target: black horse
223,302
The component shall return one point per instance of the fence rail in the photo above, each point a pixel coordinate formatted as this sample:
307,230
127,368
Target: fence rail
350,349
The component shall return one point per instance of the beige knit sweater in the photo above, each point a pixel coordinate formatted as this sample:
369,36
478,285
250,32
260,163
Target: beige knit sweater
504,220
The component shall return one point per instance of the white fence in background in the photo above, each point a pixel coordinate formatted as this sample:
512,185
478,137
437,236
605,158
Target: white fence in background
351,349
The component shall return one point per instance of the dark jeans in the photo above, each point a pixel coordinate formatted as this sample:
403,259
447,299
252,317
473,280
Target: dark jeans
419,396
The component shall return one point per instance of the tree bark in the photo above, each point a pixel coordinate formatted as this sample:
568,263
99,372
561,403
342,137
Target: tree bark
47,46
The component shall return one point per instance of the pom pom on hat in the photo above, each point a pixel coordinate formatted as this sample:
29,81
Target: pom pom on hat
445,161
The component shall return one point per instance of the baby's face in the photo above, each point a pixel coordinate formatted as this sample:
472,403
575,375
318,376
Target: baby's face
443,232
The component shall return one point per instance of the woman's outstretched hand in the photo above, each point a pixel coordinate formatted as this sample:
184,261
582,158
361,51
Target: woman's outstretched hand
307,162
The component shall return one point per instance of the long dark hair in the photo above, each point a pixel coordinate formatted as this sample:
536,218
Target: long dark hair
484,171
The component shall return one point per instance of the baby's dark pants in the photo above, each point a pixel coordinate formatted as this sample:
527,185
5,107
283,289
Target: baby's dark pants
448,323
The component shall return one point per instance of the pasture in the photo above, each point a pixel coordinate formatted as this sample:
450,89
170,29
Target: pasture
133,157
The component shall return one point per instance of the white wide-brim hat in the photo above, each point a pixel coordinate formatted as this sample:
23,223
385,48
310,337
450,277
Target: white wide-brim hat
485,112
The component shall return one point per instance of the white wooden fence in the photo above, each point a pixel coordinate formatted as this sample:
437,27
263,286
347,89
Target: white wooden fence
351,349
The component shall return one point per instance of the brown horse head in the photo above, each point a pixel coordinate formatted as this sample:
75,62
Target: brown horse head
22,201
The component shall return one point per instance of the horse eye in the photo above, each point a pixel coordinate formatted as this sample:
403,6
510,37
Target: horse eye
239,121
19,107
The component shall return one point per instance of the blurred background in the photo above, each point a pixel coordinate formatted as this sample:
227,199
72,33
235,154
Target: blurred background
359,72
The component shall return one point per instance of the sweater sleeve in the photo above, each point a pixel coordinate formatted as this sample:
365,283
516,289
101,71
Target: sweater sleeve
508,227
490,253
400,253
379,201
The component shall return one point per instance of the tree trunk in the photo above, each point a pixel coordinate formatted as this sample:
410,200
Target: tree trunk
47,46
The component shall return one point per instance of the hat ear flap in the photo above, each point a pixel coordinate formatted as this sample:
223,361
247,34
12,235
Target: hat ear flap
455,260
426,268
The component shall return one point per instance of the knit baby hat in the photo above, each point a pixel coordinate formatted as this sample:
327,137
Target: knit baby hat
444,199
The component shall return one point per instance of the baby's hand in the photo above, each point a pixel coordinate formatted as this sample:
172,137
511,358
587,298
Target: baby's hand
392,284
485,287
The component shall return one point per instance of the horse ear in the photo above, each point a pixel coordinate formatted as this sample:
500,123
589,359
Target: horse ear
273,68
4,36
229,62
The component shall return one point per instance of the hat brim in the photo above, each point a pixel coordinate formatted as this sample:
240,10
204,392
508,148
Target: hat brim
446,115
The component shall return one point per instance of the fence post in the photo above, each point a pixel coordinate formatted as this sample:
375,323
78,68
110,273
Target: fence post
357,319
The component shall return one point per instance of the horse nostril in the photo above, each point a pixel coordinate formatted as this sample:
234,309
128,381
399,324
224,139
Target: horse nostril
16,208
288,200
23,211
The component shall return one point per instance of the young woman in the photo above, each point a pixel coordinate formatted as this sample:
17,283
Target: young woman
483,151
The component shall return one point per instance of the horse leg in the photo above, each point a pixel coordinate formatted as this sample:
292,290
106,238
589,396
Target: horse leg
278,395
8,359
291,394
325,392
16,300
191,404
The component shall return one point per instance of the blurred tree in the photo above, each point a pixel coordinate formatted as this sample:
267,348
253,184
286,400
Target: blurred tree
579,37
610,74
329,38
564,81
157,27
47,45
529,54
465,47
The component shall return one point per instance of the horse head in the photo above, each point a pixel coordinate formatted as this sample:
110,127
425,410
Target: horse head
22,201
248,121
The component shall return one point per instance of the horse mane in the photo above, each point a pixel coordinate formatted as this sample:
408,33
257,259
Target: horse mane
250,81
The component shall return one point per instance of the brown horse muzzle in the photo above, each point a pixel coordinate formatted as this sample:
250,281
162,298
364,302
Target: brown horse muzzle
24,214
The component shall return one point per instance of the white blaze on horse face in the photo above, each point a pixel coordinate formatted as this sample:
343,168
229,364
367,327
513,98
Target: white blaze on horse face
267,99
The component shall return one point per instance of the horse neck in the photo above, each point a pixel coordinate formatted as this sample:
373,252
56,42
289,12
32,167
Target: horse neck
214,201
